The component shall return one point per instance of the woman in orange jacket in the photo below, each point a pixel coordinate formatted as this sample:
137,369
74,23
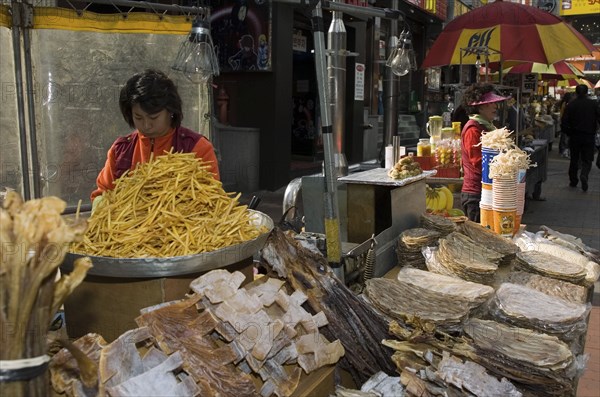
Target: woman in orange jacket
150,103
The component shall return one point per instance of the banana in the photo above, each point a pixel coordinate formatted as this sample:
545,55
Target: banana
449,197
435,199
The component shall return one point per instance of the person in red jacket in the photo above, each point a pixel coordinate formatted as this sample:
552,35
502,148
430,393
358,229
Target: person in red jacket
151,104
481,103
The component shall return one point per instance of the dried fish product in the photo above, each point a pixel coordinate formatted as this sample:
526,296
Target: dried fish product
528,241
34,239
529,308
549,286
485,237
401,300
358,326
551,266
459,256
170,206
378,385
542,363
439,223
449,287
410,243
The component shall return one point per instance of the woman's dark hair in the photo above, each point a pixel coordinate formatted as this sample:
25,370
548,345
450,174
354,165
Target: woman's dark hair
474,94
153,91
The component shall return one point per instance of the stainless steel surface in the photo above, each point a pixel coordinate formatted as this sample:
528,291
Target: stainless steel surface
164,267
336,77
332,223
379,176
313,188
290,197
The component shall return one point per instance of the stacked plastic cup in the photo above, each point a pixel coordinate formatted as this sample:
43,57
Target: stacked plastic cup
521,188
504,202
486,205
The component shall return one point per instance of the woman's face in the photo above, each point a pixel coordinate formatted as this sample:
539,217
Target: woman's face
151,125
488,111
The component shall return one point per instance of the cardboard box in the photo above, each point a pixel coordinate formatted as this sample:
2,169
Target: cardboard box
109,305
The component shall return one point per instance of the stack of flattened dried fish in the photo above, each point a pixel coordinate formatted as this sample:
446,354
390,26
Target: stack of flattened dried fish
358,326
261,330
410,243
378,385
551,266
539,362
549,286
438,223
452,288
526,307
460,256
402,300
485,237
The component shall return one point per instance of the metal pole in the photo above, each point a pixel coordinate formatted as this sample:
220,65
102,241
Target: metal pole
35,165
390,89
332,223
336,76
16,33
152,6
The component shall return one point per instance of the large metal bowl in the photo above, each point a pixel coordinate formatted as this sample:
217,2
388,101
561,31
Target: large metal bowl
177,265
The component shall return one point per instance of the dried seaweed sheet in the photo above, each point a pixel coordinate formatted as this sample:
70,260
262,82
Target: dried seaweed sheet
549,286
529,308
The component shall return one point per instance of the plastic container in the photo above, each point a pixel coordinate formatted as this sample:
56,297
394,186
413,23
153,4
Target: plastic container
504,222
487,155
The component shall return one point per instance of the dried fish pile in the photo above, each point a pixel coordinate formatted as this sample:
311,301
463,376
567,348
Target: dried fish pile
526,307
551,266
403,301
549,286
451,288
410,243
378,385
541,363
459,256
486,238
428,370
222,337
34,240
438,223
354,322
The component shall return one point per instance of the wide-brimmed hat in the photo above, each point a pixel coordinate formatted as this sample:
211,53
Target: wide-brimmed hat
488,97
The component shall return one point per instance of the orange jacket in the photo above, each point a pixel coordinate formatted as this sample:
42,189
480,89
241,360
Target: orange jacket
144,147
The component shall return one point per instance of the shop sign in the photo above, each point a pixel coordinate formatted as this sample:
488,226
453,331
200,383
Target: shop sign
579,7
359,82
529,83
299,42
547,5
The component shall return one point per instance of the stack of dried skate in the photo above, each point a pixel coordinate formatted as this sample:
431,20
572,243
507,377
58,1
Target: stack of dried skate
417,294
438,223
410,243
551,266
549,286
486,238
209,344
529,308
538,362
460,256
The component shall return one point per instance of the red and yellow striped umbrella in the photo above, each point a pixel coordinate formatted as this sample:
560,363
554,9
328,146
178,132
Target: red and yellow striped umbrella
561,70
571,83
519,32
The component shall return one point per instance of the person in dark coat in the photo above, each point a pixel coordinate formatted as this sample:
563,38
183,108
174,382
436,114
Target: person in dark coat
580,121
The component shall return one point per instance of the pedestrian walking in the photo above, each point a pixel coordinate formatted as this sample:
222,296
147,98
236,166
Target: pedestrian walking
580,121
563,145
